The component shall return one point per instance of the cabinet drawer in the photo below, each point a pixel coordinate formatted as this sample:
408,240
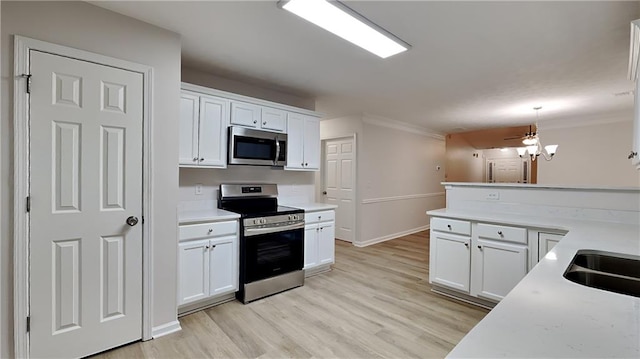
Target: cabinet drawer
215,229
322,216
451,226
502,233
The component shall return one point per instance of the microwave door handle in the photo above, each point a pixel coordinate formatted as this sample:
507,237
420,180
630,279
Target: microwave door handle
275,160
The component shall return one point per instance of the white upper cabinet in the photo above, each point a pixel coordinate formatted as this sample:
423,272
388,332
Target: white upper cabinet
245,114
203,130
274,119
213,131
303,142
189,109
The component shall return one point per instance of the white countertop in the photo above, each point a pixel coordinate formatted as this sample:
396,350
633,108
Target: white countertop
541,186
546,315
205,215
312,207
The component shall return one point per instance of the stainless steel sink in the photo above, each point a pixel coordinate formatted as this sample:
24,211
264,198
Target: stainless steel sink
614,272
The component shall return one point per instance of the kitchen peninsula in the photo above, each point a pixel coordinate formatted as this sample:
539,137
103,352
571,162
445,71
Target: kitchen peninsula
544,315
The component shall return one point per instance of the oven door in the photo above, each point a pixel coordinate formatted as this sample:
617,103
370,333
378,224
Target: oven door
255,147
267,255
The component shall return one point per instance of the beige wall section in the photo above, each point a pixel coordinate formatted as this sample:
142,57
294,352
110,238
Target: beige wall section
397,180
206,79
590,155
87,27
461,165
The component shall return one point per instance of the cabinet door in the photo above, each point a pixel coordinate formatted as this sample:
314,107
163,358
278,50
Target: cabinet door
273,119
214,114
451,261
193,268
311,234
223,266
295,141
635,157
245,114
326,243
311,143
189,109
497,268
546,241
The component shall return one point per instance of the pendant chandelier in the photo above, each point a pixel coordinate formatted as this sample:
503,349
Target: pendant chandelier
533,145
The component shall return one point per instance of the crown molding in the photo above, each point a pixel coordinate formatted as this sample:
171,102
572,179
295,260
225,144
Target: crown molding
401,126
591,120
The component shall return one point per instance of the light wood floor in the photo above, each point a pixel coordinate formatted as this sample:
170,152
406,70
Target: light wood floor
375,303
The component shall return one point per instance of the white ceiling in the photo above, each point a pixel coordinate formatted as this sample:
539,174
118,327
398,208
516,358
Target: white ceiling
472,64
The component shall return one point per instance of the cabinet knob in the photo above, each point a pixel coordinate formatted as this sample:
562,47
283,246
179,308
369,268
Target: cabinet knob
202,159
195,159
209,231
306,164
449,226
479,247
255,121
466,245
213,246
500,233
302,164
264,123
206,247
632,155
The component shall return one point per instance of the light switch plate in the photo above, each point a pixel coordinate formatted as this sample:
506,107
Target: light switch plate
198,188
493,196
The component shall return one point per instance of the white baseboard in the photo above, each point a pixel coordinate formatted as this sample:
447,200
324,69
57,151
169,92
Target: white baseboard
164,329
390,236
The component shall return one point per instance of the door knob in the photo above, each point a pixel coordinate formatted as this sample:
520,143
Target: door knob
132,221
632,154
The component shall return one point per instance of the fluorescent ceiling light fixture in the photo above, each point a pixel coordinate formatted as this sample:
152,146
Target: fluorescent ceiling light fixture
341,20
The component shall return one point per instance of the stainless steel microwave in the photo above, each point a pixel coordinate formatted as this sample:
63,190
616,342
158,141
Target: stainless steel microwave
256,147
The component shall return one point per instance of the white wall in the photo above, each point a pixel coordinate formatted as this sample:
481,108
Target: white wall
397,180
206,79
590,155
87,27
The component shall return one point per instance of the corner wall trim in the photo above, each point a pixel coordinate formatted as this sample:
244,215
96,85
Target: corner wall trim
402,198
165,329
389,237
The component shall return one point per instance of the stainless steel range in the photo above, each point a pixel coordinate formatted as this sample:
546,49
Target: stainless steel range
271,240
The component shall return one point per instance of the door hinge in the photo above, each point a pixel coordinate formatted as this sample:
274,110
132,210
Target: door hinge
28,203
28,324
28,77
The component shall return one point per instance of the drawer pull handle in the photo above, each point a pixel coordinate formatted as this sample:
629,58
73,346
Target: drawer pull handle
449,226
500,233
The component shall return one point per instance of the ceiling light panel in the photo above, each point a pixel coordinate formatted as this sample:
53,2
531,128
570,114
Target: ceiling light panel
341,20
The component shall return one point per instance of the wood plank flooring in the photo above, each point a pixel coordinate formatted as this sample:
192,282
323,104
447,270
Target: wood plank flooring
375,303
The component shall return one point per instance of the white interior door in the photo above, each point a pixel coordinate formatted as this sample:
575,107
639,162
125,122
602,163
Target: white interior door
339,184
507,170
86,180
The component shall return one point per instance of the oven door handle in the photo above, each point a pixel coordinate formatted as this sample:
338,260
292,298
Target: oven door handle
265,230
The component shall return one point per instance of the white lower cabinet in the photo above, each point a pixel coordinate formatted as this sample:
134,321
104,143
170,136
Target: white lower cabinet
454,271
546,241
497,268
207,261
319,241
482,260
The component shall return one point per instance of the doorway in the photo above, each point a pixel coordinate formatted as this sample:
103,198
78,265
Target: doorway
339,183
81,138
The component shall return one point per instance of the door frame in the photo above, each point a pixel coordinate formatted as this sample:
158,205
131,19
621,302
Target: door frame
21,181
323,158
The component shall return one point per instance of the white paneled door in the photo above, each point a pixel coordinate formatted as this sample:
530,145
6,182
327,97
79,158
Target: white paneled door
86,197
339,181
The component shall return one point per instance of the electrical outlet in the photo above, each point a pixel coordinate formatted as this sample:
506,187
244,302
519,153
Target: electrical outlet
198,188
493,196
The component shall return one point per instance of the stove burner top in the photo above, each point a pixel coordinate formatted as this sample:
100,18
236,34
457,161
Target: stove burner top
252,200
